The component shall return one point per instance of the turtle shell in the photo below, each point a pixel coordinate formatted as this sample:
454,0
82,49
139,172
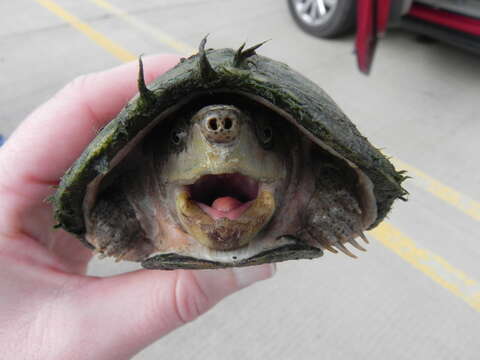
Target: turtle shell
241,71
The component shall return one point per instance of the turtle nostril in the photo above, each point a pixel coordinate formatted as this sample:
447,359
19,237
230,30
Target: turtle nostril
212,124
220,125
227,123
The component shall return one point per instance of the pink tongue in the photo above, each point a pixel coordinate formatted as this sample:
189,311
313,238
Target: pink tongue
226,204
225,207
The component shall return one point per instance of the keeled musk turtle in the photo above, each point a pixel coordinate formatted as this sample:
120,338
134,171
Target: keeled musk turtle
228,159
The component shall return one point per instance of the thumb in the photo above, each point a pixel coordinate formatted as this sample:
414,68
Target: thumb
130,311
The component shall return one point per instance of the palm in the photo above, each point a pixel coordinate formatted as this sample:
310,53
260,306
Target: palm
49,308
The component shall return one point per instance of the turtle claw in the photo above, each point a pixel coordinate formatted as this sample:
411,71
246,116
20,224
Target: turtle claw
330,248
364,238
343,249
356,245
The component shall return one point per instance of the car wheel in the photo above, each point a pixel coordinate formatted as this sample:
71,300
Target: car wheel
324,18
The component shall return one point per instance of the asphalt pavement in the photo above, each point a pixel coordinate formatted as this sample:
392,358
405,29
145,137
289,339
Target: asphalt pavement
416,293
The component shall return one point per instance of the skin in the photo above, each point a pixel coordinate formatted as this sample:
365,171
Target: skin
49,308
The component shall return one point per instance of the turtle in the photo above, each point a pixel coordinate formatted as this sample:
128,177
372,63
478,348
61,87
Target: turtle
228,159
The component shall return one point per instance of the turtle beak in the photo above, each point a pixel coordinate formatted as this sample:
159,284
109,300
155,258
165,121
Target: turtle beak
226,211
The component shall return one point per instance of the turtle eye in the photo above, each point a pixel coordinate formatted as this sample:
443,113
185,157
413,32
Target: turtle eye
176,136
265,135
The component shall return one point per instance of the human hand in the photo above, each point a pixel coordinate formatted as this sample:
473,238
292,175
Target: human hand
49,308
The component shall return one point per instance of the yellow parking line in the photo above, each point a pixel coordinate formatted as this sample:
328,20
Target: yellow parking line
434,266
97,37
152,31
445,193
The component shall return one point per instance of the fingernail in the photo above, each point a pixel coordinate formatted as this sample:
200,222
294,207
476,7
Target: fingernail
251,274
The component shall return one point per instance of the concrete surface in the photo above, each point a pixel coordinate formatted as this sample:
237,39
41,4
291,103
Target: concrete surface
421,104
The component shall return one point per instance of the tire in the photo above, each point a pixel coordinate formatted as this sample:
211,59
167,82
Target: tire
338,20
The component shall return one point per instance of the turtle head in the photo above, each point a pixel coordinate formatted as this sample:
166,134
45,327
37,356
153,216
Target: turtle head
224,175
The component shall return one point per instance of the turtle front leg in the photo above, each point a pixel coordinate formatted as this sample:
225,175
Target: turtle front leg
115,230
333,216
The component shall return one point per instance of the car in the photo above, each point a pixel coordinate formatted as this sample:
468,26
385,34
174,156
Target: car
454,21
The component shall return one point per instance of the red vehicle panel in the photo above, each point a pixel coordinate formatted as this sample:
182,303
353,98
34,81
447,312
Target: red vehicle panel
445,18
372,20
451,21
373,17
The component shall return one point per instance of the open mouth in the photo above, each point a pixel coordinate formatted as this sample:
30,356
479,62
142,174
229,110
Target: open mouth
224,195
224,211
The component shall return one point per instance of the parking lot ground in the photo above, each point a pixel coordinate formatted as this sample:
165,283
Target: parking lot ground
416,292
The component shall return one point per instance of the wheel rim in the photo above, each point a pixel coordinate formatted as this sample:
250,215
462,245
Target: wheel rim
314,12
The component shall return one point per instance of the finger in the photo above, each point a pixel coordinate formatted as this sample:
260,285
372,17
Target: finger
135,309
54,135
